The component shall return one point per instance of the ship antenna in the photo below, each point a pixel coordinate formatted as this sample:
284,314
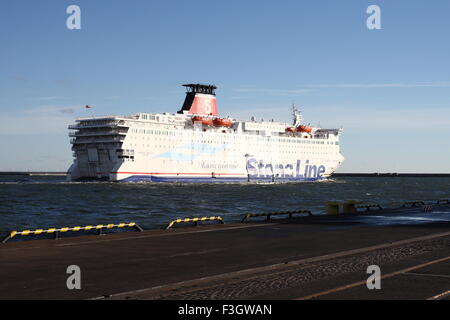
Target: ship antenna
293,112
297,115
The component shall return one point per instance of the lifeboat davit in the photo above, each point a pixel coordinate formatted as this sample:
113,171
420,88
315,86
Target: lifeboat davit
206,121
220,122
290,129
304,129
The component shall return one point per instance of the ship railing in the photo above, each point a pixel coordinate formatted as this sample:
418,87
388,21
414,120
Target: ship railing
99,133
106,117
85,126
92,125
112,139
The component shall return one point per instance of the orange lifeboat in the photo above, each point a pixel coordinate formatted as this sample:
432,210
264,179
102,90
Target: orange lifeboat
304,129
220,122
206,121
290,129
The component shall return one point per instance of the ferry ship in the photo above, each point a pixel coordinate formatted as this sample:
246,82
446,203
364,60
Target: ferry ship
197,145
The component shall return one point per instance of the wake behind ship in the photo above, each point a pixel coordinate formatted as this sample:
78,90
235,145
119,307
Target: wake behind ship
196,145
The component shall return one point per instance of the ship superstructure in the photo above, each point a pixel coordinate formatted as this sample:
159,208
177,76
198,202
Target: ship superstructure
196,145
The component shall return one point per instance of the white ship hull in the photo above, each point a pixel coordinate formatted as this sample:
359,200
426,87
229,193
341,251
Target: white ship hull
176,148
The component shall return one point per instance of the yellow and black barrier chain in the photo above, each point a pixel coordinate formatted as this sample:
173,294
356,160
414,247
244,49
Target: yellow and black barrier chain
57,231
269,214
412,204
194,220
369,206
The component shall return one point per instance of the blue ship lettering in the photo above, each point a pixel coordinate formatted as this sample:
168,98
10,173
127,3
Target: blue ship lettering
259,169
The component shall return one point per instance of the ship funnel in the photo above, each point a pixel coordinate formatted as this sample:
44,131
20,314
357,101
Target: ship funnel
200,99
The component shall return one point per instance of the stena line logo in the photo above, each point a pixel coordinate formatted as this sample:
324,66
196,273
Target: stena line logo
259,169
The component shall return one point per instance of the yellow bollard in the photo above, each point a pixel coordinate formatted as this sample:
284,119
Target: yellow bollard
332,208
349,206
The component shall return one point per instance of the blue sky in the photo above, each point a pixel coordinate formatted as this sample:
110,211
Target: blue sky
388,88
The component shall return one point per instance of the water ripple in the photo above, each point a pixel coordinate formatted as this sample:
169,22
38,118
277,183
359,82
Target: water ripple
34,202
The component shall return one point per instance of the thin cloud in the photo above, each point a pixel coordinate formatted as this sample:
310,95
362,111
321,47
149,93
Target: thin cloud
310,87
20,78
364,118
47,98
65,82
442,84
281,92
52,110
357,118
36,124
